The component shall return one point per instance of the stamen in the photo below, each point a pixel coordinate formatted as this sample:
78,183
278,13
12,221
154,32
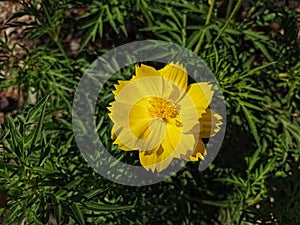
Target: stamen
162,108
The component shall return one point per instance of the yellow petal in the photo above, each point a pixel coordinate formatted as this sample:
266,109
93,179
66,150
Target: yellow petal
119,87
147,86
110,108
113,133
129,94
122,146
176,73
194,104
120,114
175,145
156,135
124,139
188,112
149,137
157,86
171,90
139,89
186,143
201,95
141,71
150,86
209,124
173,136
155,160
135,118
197,152
139,119
145,71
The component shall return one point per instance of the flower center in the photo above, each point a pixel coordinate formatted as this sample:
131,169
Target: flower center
161,108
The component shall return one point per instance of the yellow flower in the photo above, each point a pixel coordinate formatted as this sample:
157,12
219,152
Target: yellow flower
159,115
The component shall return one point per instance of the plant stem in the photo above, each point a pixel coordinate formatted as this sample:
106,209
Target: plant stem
55,38
201,39
229,8
62,50
236,8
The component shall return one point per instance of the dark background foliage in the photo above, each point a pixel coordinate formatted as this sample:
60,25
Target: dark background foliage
253,49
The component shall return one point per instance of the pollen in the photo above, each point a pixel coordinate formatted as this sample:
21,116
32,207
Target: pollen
162,108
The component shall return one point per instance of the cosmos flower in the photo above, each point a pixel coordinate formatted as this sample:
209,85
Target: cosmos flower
158,114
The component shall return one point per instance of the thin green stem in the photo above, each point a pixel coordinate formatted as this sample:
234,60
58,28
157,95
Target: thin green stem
229,8
62,50
236,8
55,38
201,39
212,4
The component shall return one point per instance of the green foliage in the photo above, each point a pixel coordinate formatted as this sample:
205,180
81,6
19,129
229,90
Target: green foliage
113,13
255,177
